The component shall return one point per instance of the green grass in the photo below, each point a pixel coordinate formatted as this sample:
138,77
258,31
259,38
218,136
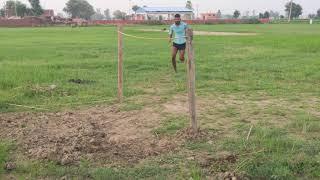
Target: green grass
271,79
273,154
171,125
4,155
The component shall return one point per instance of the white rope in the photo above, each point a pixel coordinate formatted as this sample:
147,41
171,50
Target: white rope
29,107
149,38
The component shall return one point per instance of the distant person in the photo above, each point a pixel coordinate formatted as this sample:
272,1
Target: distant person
178,32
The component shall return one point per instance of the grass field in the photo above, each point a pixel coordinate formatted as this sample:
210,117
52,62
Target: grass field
270,81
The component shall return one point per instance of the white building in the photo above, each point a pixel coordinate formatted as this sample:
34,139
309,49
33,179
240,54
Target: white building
163,13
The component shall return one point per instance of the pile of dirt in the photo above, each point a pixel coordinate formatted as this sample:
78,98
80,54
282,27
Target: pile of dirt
100,133
190,134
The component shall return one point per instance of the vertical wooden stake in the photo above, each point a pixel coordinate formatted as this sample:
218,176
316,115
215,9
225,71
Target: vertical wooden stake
120,63
191,80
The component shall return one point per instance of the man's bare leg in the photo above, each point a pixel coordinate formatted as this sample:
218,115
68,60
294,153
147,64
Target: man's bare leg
174,55
182,52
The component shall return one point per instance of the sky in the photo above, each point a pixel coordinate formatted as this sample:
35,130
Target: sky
226,6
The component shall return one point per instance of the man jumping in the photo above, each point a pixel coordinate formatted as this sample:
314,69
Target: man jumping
179,43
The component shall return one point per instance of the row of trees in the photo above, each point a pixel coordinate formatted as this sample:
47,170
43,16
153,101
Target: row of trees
83,9
315,16
296,11
75,8
20,9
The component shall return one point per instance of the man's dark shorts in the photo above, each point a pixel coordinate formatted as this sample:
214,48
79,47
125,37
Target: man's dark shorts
180,46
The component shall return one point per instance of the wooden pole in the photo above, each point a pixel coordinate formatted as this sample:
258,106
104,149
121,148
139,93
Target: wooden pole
191,80
120,64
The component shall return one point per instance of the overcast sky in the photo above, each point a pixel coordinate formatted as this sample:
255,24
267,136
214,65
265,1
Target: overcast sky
226,6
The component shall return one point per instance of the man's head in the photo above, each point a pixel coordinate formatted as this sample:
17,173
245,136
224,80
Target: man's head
177,19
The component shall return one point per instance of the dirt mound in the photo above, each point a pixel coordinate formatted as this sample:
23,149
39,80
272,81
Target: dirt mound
100,133
178,105
190,134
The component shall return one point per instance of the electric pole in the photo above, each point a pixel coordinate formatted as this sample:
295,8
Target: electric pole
290,12
197,11
15,8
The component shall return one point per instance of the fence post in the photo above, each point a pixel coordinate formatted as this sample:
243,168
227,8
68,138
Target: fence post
120,63
191,80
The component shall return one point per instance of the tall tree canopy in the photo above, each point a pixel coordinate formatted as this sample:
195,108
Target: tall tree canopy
97,15
107,14
119,14
79,8
135,8
236,14
219,14
18,9
296,9
189,5
36,7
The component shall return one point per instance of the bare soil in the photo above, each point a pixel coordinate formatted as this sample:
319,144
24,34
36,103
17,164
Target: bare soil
108,135
99,133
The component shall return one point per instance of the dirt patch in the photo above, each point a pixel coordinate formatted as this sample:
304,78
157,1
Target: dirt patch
229,176
10,166
100,133
190,134
178,105
206,33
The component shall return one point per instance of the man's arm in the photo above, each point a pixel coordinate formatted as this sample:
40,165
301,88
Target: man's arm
170,34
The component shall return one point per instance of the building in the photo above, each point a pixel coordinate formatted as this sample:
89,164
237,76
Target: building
162,13
208,16
48,13
10,12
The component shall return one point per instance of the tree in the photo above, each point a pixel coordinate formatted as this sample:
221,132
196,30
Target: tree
266,15
236,14
189,5
107,14
261,16
2,12
274,14
36,7
312,16
219,14
296,10
97,15
247,14
254,14
318,13
135,8
119,14
79,9
282,17
29,12
18,9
